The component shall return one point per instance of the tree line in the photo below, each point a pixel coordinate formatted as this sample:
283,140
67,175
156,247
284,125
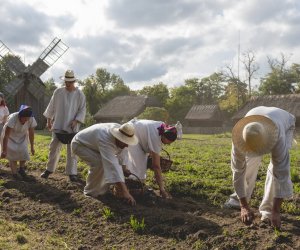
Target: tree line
224,88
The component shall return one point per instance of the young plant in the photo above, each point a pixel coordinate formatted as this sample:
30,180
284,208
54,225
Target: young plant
107,213
136,225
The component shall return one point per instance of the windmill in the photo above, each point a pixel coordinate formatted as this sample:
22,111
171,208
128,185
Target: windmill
27,86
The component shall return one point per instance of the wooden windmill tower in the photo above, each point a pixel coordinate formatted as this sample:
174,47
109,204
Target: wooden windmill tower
27,86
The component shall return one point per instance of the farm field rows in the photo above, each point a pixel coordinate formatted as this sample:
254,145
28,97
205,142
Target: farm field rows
54,213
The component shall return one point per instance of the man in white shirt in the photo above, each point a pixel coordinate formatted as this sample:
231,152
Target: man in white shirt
65,112
101,146
263,130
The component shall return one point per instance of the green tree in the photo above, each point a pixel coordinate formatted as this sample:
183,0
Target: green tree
155,113
50,86
160,91
281,78
181,100
6,75
234,97
208,90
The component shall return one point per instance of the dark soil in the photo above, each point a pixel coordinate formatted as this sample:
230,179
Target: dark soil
57,206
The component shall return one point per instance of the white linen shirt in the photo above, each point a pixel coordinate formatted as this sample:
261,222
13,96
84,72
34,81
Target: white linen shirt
64,107
280,159
147,133
98,138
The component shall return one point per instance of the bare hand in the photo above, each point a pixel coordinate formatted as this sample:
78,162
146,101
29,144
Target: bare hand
126,172
164,194
3,154
49,126
129,199
74,124
247,216
275,220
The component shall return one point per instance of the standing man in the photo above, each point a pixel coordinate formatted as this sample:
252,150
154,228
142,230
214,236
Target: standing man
65,112
102,147
263,130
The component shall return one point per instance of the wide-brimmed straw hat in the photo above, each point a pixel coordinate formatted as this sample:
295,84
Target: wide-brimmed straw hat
69,76
125,134
255,134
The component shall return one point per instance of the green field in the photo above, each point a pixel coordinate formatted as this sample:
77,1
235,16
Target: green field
201,168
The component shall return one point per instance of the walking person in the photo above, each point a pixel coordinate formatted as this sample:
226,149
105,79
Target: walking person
178,126
101,146
262,131
65,112
18,128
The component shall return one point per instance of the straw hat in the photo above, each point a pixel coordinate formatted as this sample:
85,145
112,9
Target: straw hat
69,76
125,134
255,134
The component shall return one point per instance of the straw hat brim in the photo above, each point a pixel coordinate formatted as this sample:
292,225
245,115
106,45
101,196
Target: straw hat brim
123,138
74,79
260,148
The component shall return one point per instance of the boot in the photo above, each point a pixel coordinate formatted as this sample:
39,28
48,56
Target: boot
46,174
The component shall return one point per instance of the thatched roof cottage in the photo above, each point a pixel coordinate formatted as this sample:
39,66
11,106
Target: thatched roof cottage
124,108
290,103
204,116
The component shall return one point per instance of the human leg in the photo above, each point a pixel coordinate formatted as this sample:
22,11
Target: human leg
95,182
266,206
71,166
22,169
252,166
53,157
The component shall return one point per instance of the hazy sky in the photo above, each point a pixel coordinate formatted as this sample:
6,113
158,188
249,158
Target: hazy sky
148,41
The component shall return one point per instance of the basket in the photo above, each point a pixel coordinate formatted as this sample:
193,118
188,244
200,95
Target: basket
165,163
65,138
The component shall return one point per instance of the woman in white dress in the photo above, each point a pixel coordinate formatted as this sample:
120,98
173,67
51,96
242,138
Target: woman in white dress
4,112
151,136
18,128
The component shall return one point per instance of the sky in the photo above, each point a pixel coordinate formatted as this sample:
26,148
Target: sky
150,41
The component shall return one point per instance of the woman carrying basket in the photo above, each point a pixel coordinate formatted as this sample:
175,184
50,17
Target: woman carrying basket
151,136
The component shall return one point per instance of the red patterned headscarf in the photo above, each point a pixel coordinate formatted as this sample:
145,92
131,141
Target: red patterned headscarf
170,132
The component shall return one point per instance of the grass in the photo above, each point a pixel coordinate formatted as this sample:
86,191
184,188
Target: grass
107,213
19,236
201,168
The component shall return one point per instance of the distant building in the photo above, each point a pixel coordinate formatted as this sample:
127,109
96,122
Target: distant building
124,108
290,103
204,116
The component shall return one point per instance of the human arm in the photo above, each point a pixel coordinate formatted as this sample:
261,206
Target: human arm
31,139
275,217
247,216
158,175
5,141
124,193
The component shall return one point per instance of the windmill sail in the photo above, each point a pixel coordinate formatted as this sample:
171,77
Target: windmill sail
48,57
13,62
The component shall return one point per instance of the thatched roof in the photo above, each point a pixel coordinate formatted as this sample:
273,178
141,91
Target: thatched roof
204,113
125,107
290,103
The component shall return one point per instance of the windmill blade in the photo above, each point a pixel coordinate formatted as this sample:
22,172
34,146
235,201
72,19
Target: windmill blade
12,61
36,88
48,57
13,86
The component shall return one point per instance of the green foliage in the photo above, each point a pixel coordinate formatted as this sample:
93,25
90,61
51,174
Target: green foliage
136,225
50,86
160,91
6,75
181,100
107,213
2,182
208,89
155,113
